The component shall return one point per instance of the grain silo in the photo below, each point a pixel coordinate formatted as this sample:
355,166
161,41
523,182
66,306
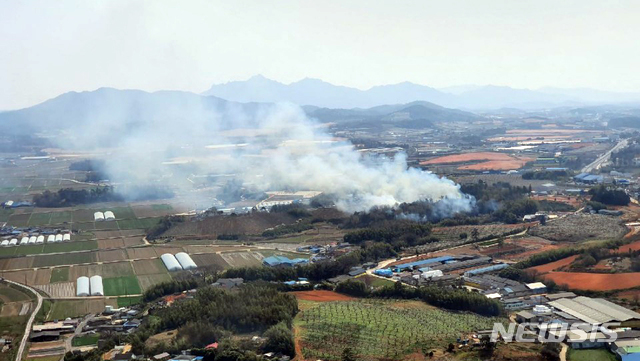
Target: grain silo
96,286
109,216
51,238
185,261
98,217
58,237
82,286
170,262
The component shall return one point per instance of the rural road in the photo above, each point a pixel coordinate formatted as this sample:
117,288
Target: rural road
27,329
563,352
596,164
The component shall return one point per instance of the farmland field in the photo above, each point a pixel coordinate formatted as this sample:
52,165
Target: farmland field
595,281
581,227
148,267
11,294
70,246
64,259
38,219
62,309
61,217
119,286
59,274
376,329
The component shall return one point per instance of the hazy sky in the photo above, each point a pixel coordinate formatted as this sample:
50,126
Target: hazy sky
50,47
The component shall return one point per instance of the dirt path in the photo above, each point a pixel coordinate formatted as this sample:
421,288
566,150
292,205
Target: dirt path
563,352
298,347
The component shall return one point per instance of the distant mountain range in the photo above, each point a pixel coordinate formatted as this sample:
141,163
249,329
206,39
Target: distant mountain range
322,94
109,112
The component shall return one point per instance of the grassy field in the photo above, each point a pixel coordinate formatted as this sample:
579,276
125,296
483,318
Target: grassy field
590,355
60,217
59,274
14,327
377,329
85,340
128,301
118,286
64,259
38,219
11,294
70,246
62,309
123,213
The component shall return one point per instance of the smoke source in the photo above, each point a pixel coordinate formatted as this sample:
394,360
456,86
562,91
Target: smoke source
266,147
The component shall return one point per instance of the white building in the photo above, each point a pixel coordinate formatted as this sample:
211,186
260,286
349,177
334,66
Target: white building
32,239
13,242
51,238
66,237
96,286
40,239
109,216
82,286
24,240
185,261
4,243
170,262
58,237
98,217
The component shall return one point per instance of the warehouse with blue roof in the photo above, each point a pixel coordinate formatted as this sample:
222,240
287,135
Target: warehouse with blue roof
421,263
282,261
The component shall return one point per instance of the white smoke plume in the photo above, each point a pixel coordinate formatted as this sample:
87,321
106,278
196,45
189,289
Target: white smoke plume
268,147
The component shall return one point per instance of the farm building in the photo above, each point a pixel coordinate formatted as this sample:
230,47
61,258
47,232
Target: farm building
13,242
537,287
109,216
4,243
24,240
98,217
82,286
276,261
495,267
170,262
432,274
596,311
66,237
424,262
51,238
58,237
32,239
383,272
40,239
96,286
185,261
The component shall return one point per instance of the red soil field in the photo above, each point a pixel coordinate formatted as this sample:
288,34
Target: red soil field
634,246
514,163
546,268
629,295
321,296
466,157
595,281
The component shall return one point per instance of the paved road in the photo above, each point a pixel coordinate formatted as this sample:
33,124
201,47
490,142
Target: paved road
596,164
27,329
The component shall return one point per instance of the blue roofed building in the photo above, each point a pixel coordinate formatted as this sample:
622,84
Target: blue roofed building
282,261
422,263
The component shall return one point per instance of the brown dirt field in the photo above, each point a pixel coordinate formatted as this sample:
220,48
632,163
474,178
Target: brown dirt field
149,266
467,157
160,250
252,223
25,276
549,267
595,281
11,309
110,243
133,241
107,234
118,269
213,249
634,246
132,232
535,132
142,252
321,296
20,263
84,270
148,211
3,263
42,276
602,266
208,259
112,255
149,280
572,201
629,295
514,163
242,259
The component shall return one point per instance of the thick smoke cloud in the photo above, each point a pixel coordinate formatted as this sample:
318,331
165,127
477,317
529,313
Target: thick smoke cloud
265,147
